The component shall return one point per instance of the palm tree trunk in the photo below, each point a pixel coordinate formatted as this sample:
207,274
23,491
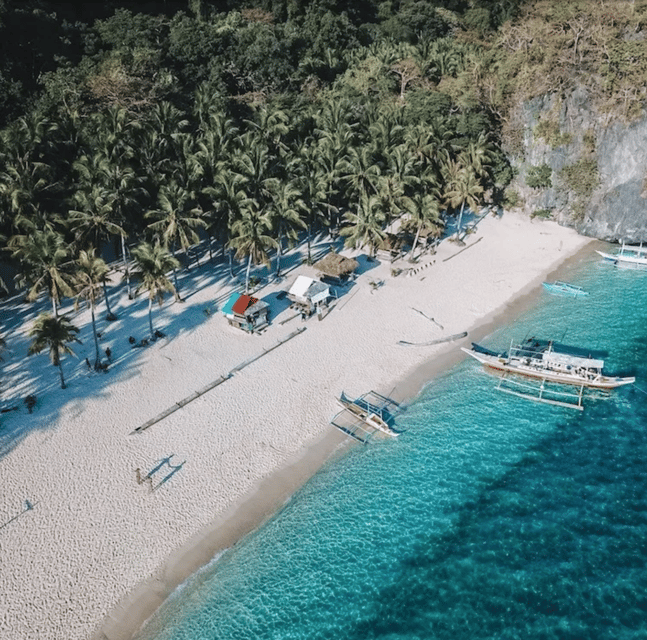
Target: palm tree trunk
126,269
96,339
231,262
177,288
54,307
415,242
279,252
60,371
111,316
460,221
309,244
150,317
249,266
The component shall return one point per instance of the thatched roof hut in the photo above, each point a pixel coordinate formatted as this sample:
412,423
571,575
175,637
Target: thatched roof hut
335,266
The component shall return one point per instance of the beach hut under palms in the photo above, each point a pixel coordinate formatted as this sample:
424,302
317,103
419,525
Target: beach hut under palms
335,268
308,294
246,312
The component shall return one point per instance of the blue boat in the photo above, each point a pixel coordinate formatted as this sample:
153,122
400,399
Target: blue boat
564,288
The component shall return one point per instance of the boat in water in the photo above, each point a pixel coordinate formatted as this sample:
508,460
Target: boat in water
550,362
366,415
564,288
629,256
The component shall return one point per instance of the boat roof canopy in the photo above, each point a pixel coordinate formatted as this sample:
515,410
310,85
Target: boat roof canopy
566,359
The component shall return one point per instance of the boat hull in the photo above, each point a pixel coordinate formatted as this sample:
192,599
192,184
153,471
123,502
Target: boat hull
624,259
502,364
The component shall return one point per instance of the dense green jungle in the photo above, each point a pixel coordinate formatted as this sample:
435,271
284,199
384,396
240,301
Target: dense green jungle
160,130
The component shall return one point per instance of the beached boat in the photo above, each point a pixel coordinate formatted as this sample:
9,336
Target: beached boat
552,362
564,288
629,255
364,416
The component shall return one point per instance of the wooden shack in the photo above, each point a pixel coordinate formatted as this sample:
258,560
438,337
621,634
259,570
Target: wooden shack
246,312
308,294
335,268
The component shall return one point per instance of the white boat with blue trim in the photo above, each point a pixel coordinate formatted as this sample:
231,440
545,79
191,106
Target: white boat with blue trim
629,255
564,288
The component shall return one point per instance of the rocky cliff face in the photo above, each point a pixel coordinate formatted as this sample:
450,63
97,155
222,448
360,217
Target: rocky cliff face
583,168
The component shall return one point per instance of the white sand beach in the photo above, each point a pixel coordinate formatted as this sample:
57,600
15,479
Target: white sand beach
93,553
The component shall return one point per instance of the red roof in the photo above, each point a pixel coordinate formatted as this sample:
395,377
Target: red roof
242,304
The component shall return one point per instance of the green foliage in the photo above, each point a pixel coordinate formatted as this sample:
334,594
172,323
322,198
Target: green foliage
539,177
548,129
546,214
581,178
511,199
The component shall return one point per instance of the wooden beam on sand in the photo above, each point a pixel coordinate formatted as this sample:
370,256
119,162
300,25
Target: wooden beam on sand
180,404
249,361
463,249
214,384
456,336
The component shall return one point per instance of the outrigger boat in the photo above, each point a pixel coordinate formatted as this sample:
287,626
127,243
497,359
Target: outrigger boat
364,416
550,362
629,255
564,288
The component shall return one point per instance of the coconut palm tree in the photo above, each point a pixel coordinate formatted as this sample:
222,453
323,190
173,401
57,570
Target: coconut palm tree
152,263
176,220
45,265
462,188
89,279
250,236
285,213
54,334
229,201
424,210
364,228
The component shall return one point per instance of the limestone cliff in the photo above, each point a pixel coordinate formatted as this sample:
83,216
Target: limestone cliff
581,167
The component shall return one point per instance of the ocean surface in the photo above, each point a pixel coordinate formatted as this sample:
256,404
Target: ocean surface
489,517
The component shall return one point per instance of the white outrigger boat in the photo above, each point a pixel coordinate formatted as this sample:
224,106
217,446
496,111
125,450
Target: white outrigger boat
564,288
364,416
550,362
629,255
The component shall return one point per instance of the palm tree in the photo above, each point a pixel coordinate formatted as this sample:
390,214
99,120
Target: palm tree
45,265
361,172
462,187
54,334
176,220
424,210
285,214
93,224
364,228
90,278
250,237
152,263
229,201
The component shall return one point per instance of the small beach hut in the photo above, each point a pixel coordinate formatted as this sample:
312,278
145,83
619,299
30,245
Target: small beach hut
246,312
335,268
308,294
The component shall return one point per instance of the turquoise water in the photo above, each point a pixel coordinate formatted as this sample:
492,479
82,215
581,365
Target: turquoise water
489,517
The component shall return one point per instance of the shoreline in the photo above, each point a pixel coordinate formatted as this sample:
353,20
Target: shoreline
100,551
274,491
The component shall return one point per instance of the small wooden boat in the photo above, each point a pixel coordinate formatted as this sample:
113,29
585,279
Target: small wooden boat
564,288
551,362
629,256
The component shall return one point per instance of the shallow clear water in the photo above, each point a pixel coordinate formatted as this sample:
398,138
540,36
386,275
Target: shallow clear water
489,517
